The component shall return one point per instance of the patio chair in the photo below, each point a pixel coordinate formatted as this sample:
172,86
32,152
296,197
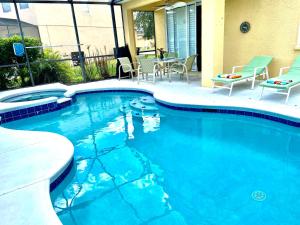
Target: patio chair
284,83
147,68
168,55
184,68
258,66
138,57
126,66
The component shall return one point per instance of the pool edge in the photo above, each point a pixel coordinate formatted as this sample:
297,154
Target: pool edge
237,110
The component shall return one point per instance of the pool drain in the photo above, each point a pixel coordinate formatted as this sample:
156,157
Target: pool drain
259,196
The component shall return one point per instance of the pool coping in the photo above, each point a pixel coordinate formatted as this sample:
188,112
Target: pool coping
23,154
44,106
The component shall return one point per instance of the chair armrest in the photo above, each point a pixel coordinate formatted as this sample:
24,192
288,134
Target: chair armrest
122,65
176,64
174,69
235,67
282,69
258,67
139,68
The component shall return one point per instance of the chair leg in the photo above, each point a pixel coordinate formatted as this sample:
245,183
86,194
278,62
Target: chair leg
288,95
253,83
261,93
131,75
231,87
267,73
187,77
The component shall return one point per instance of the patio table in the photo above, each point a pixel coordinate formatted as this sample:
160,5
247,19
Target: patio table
166,62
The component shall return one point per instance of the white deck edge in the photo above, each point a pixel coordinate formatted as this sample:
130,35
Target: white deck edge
41,140
30,161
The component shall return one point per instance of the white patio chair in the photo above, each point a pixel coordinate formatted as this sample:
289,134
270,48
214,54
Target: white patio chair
184,68
126,66
147,68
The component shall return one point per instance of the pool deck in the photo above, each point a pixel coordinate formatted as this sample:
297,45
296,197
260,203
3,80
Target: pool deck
31,160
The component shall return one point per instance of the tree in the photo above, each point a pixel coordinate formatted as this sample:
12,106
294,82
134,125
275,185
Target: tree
144,21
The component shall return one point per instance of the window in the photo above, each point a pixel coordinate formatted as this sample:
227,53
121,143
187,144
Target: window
6,7
171,31
24,5
181,30
144,31
192,29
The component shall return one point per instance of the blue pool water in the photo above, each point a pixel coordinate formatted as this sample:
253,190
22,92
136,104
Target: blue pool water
172,167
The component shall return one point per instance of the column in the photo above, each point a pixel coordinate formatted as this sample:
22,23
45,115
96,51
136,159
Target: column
213,14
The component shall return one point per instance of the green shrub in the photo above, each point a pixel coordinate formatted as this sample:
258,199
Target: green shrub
48,71
13,76
44,70
46,67
7,52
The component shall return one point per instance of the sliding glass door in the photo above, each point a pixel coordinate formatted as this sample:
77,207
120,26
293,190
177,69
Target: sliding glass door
192,29
181,30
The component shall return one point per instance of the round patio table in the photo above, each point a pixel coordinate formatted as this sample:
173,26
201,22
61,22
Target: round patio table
166,63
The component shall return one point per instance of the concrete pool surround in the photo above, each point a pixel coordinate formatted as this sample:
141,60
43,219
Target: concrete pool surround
32,160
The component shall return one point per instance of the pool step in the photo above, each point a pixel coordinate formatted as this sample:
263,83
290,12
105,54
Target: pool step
125,108
143,104
143,107
139,114
147,100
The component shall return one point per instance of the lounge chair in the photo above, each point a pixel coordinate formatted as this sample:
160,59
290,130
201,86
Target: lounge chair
284,83
258,66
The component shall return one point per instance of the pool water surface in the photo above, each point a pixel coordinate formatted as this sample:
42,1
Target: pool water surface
138,163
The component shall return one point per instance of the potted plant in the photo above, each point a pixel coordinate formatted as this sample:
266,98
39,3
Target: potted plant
161,53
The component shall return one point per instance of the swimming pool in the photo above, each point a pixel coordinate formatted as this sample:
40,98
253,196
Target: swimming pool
171,167
34,96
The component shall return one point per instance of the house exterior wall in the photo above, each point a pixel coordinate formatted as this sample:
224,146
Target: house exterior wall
212,39
274,28
160,29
